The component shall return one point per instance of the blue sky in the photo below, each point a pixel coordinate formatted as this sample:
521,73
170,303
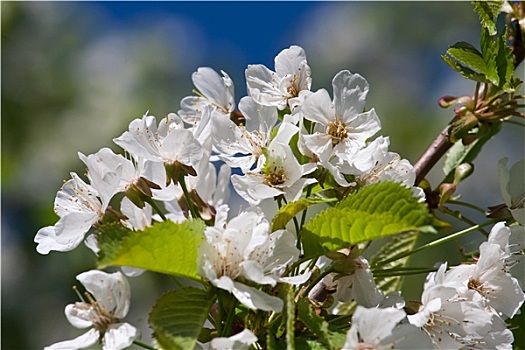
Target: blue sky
259,30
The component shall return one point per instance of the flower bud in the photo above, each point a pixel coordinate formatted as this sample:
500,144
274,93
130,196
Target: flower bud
446,190
463,171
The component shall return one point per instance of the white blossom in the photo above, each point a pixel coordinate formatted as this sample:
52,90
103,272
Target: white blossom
214,90
242,146
79,207
282,87
169,143
108,302
282,173
342,128
244,248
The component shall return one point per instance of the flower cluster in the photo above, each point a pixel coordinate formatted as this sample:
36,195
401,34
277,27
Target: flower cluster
283,143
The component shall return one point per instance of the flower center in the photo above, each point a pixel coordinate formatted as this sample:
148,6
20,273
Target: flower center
99,315
275,178
293,89
337,130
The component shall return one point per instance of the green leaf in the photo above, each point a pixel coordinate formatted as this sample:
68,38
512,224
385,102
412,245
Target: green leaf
469,56
287,212
178,317
488,13
396,245
504,64
464,71
460,153
318,326
375,211
165,247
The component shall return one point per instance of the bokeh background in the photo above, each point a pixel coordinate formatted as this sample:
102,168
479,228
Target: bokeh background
75,74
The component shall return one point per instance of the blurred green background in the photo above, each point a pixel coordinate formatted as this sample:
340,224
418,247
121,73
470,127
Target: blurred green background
75,74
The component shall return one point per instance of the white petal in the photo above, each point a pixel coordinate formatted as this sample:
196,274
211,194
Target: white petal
46,239
320,144
263,86
350,92
82,342
318,108
181,146
258,117
212,85
111,290
239,341
376,324
290,61
254,271
79,315
119,336
252,189
421,318
255,299
132,271
191,109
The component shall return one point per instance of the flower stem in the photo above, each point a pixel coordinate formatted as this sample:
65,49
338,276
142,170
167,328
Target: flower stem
458,215
193,211
468,205
144,345
154,205
402,272
436,242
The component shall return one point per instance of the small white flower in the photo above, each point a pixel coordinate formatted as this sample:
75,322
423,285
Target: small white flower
282,173
282,87
214,90
489,279
242,146
169,143
342,128
108,302
244,248
381,329
512,185
446,316
79,207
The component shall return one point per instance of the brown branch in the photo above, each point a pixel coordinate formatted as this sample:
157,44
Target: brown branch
432,155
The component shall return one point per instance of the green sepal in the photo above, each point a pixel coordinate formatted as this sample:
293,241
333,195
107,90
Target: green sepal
178,317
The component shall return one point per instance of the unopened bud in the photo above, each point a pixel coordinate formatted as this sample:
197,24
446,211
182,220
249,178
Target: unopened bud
463,171
446,190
